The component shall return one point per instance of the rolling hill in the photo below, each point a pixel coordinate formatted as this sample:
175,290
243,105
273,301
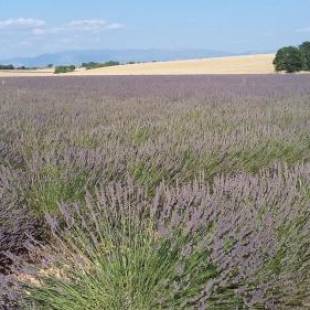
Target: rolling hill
250,64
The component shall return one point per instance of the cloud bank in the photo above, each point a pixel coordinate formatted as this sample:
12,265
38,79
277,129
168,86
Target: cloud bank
38,35
40,27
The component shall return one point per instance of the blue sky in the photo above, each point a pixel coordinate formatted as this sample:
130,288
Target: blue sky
31,27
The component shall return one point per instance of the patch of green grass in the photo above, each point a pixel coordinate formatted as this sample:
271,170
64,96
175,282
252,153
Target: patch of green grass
189,160
263,156
275,264
229,244
86,141
52,187
148,174
140,135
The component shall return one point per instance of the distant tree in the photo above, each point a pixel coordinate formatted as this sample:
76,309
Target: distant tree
94,65
50,65
305,55
111,63
90,65
288,59
64,69
7,67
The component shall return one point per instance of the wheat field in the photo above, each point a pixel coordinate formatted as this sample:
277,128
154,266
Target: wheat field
253,64
250,64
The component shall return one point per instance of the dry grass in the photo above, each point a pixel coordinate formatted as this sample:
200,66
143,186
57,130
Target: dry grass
253,64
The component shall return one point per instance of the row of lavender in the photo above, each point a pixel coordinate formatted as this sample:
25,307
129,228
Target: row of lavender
164,192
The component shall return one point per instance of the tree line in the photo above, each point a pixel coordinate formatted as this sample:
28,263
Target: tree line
94,65
64,68
86,65
12,67
293,59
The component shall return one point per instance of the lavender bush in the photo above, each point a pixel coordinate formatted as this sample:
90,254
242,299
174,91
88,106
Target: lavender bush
219,163
241,245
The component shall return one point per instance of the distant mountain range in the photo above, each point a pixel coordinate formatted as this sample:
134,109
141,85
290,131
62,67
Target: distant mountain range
76,57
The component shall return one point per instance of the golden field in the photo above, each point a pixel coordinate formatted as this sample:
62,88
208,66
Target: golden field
253,64
250,64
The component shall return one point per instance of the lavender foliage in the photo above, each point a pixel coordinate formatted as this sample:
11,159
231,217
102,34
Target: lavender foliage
245,138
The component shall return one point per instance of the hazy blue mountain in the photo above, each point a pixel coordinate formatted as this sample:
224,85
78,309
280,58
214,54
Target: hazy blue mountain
76,57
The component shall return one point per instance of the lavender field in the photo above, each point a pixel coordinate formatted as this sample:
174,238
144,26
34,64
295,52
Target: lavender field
155,192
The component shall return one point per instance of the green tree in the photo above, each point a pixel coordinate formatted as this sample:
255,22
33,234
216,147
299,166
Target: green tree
7,67
305,55
64,69
288,59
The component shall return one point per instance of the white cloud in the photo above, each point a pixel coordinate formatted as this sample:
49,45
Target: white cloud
46,31
38,27
85,25
92,25
21,23
38,31
115,26
306,29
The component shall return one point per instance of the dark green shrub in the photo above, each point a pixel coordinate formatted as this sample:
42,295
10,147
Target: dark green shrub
64,69
90,65
94,65
305,55
288,59
111,63
7,67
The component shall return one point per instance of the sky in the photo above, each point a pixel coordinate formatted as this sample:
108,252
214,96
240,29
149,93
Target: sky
33,27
